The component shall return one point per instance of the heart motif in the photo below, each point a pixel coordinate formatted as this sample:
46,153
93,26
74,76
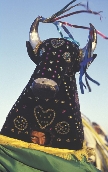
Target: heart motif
44,117
57,42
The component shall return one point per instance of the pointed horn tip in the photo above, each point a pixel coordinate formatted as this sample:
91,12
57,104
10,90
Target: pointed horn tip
35,24
92,26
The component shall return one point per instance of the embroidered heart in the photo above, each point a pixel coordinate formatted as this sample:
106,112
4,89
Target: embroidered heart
57,42
44,117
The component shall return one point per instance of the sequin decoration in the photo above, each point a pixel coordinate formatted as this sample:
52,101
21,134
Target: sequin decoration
20,123
62,127
67,57
57,42
77,100
54,53
42,51
44,117
59,140
68,140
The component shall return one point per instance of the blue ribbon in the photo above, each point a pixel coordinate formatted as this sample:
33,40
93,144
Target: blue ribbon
97,83
82,72
83,65
67,31
56,23
70,38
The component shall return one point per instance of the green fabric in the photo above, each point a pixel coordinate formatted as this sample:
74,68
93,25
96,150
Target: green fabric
27,160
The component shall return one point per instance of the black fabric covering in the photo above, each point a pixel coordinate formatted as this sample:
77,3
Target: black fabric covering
56,59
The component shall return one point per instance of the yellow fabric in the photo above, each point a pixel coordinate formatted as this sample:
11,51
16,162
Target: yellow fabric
95,134
63,153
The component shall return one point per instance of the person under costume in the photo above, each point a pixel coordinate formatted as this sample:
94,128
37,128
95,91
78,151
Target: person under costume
39,137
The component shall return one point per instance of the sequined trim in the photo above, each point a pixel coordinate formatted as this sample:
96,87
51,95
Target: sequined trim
57,42
62,127
67,57
44,117
63,153
20,123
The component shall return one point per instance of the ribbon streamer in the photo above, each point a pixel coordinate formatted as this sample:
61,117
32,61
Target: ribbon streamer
77,12
88,58
83,27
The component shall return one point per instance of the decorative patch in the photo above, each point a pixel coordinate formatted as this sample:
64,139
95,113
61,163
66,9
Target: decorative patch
44,117
62,127
57,42
67,57
20,123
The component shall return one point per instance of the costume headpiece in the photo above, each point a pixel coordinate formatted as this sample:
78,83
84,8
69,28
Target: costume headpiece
49,102
86,53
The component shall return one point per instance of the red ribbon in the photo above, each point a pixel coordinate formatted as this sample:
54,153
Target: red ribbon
83,27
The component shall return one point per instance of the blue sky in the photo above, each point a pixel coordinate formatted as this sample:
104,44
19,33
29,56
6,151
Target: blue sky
16,66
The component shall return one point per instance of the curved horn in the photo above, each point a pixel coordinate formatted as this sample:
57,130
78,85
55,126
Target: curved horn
91,45
33,34
93,39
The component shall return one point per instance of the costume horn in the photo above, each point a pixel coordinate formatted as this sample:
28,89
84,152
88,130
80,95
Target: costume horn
33,34
91,45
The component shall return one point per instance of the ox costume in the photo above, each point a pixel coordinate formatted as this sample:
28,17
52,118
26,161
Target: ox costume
49,103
